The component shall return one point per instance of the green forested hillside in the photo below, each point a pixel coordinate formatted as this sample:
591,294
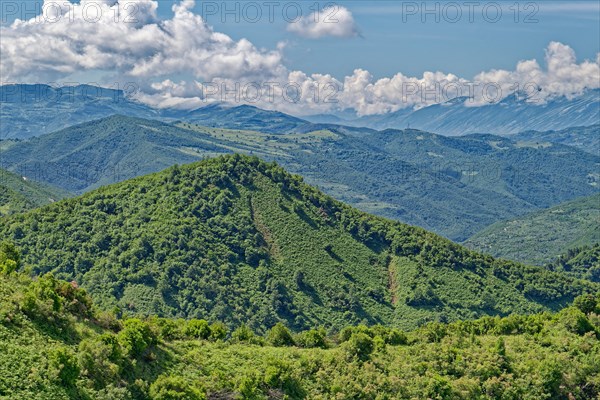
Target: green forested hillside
586,138
452,186
582,262
110,150
54,345
241,241
18,193
542,236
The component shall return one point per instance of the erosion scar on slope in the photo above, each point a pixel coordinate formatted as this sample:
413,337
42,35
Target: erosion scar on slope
264,230
392,283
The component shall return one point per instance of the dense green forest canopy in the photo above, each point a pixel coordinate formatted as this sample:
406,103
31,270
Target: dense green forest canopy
582,262
239,240
452,186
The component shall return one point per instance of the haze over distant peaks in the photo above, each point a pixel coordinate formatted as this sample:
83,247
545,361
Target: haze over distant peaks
25,113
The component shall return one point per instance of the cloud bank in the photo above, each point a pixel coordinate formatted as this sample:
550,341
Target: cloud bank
182,62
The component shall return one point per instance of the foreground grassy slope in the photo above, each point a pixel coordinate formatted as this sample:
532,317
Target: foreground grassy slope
18,193
239,240
542,236
54,346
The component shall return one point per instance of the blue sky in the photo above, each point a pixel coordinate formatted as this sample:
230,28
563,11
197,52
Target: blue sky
389,45
393,39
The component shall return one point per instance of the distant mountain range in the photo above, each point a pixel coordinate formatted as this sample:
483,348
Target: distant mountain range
33,110
511,115
453,186
542,236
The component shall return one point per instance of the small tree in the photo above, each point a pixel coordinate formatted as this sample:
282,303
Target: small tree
63,366
312,338
360,345
242,334
136,337
10,258
279,335
574,320
586,303
218,331
396,337
197,328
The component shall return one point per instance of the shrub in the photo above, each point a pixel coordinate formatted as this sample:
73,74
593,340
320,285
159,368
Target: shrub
63,365
48,297
280,375
175,388
136,337
312,338
587,303
218,331
249,387
279,336
360,345
197,328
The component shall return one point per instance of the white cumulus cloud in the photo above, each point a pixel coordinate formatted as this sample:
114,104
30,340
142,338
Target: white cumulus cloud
334,20
128,40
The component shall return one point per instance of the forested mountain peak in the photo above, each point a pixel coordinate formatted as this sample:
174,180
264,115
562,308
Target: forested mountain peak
240,240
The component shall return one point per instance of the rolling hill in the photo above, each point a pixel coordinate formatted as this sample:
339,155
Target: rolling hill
19,193
239,240
244,117
452,186
542,236
581,262
110,150
586,138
